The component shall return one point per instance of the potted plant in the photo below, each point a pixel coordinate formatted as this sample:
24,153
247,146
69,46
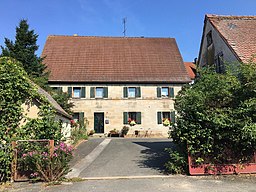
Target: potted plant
166,122
114,133
131,122
124,131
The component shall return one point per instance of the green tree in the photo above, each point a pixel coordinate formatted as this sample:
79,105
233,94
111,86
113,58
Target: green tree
24,50
217,116
63,99
15,89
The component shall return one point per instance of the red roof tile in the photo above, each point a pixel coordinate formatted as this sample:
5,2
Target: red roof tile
191,69
113,59
239,32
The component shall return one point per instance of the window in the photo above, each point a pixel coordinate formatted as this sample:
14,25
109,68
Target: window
219,63
165,92
76,92
131,92
209,38
132,116
78,116
162,116
99,92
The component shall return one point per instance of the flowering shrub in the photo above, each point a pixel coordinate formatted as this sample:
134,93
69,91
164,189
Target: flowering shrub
45,163
166,122
131,122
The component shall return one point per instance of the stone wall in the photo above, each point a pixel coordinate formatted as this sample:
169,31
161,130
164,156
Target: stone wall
114,106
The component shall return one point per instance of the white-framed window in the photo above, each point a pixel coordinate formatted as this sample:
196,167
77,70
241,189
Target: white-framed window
132,92
165,92
163,115
132,117
76,92
99,92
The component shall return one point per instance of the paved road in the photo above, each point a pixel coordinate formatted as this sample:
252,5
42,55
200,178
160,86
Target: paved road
122,165
175,183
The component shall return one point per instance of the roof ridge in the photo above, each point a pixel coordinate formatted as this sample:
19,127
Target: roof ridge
118,37
231,16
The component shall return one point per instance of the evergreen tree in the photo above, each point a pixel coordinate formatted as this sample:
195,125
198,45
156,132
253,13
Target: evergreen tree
24,50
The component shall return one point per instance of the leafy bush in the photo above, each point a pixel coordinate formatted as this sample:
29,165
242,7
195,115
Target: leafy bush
79,132
37,159
217,116
178,163
124,131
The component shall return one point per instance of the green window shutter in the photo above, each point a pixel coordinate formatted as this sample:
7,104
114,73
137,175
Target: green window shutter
173,116
70,91
138,117
137,92
105,92
158,90
92,92
125,92
81,117
159,118
171,90
125,114
83,92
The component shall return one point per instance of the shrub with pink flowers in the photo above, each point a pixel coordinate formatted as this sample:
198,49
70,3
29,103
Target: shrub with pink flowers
41,162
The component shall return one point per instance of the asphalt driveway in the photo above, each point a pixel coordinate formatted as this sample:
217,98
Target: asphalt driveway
126,157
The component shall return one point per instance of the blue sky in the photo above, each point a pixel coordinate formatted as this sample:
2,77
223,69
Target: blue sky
181,19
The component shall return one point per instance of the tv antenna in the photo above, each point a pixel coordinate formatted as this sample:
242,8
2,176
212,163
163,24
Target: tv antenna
124,23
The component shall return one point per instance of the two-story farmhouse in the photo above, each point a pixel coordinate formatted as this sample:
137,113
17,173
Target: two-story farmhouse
227,40
116,81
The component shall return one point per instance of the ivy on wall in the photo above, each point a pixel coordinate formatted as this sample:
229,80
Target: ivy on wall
15,89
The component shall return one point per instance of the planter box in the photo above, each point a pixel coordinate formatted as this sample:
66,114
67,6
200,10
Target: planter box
224,169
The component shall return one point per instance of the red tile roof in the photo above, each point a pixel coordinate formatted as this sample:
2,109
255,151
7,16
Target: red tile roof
113,59
191,69
239,32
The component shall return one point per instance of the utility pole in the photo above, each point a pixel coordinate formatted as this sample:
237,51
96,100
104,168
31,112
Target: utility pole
124,23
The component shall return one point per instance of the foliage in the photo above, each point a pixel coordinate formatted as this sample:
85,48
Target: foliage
217,116
15,88
62,99
41,163
124,131
43,127
79,132
24,50
177,163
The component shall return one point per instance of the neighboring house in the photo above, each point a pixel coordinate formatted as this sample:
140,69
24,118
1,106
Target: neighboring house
191,69
31,109
227,39
114,80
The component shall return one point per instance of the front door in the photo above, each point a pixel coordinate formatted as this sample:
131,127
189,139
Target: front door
99,122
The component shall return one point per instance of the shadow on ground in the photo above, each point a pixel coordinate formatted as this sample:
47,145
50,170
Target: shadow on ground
155,155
